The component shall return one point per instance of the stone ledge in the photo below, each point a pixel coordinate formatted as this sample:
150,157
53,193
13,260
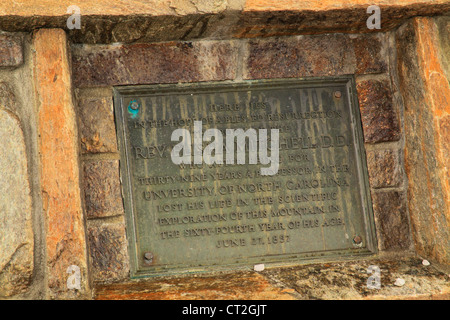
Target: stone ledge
155,21
426,96
55,8
59,165
339,280
16,231
102,192
237,286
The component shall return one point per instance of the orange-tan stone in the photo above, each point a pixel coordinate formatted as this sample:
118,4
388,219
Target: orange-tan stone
438,97
60,183
234,286
328,281
295,5
426,94
170,7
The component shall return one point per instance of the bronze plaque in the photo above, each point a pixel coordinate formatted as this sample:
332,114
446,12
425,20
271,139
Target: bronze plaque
209,214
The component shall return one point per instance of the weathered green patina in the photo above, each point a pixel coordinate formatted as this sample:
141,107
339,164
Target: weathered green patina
185,218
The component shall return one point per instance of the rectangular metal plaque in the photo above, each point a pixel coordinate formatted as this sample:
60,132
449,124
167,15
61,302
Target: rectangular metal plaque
193,217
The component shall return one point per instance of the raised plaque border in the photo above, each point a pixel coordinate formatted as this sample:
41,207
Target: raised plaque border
120,92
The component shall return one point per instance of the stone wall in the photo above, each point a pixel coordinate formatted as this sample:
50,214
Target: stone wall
21,222
371,58
60,189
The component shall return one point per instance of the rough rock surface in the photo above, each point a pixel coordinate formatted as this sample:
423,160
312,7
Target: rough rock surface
11,54
60,172
110,21
391,220
16,234
338,280
384,168
97,129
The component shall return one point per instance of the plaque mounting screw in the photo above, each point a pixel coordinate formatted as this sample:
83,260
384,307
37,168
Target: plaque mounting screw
337,94
134,105
357,240
148,257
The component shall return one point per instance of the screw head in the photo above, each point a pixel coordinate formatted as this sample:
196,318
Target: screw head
148,256
357,240
134,105
337,94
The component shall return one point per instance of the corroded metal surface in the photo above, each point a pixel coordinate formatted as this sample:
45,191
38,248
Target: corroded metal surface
196,217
